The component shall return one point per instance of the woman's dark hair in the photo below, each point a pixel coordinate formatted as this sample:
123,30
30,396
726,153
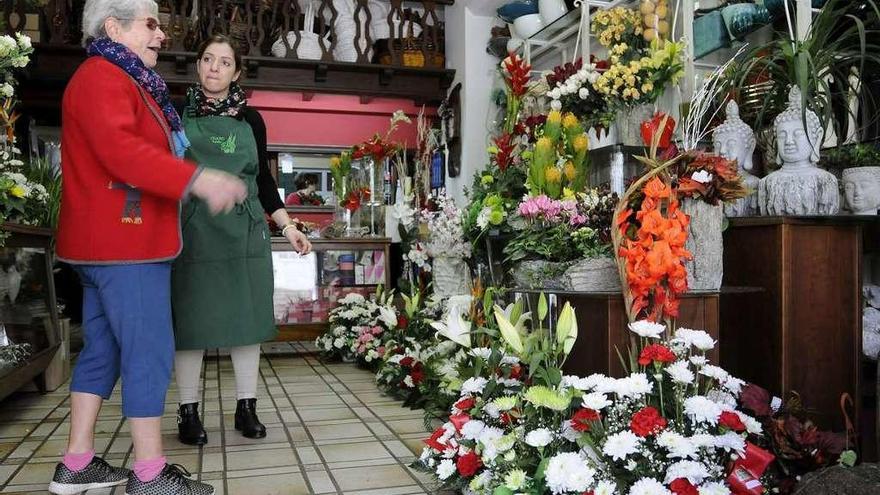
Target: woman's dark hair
305,180
222,39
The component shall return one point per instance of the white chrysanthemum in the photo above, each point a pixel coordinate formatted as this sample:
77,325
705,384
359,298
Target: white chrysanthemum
605,488
713,488
492,411
753,426
648,486
633,386
583,93
702,410
702,176
596,401
714,372
408,381
649,329
539,438
472,429
606,385
568,472
703,441
474,385
696,338
734,385
699,360
509,360
339,343
620,445
679,446
352,298
723,398
515,479
680,372
576,382
731,442
445,469
481,352
489,435
693,471
556,105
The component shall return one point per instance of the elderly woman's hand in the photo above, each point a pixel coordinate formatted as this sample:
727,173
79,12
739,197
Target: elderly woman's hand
221,191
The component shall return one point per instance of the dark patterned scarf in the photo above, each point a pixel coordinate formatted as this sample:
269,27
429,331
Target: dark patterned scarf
149,80
199,105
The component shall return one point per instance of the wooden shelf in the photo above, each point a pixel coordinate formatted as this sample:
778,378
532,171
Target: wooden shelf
15,378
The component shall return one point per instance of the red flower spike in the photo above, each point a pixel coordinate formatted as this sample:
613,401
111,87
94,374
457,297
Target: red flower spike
516,74
505,151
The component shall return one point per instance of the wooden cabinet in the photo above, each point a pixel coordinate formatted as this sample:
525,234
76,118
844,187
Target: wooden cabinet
791,310
307,287
603,329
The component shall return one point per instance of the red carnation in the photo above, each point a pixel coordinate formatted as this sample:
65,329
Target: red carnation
681,486
434,440
469,464
647,422
732,421
582,419
465,404
459,420
657,353
516,372
407,361
402,322
505,418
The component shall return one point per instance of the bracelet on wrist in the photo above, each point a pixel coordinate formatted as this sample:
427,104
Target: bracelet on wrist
287,227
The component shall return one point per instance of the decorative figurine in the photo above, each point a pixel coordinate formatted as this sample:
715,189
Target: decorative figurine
861,187
799,187
735,140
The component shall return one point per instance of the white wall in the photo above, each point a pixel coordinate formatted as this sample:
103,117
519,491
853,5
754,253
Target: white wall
468,30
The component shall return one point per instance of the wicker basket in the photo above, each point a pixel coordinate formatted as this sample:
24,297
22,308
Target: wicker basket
410,49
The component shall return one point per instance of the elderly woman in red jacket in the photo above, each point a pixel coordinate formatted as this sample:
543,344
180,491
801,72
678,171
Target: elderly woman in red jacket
123,180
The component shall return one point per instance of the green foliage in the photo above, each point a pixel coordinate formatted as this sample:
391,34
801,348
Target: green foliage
854,155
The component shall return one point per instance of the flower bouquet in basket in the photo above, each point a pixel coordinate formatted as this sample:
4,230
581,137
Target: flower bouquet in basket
350,313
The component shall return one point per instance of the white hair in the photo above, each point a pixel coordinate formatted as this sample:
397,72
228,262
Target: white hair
97,11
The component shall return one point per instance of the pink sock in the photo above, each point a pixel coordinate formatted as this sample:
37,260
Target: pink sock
147,471
78,462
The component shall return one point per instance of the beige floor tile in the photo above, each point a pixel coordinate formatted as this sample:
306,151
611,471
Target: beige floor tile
400,490
6,448
17,430
407,425
317,400
308,455
364,478
212,462
6,470
353,452
332,432
34,473
320,482
236,461
274,434
279,484
309,414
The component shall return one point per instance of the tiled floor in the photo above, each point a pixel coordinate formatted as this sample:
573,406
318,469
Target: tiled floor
329,431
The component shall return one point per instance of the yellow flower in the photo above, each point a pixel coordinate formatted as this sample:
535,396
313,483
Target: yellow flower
554,117
580,143
552,174
544,144
568,194
334,162
569,171
647,87
569,121
17,191
635,93
631,80
618,82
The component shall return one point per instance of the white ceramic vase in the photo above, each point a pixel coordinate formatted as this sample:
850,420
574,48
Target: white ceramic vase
551,10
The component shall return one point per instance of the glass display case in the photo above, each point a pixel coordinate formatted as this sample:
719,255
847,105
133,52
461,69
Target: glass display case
29,325
307,287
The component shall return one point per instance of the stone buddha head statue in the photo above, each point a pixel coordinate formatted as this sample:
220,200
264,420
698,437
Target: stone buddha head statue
797,145
861,188
734,139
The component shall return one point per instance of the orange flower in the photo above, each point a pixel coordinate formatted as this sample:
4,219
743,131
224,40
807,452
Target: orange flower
656,188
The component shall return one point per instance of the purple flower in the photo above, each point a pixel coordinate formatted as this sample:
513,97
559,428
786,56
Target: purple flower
577,219
529,208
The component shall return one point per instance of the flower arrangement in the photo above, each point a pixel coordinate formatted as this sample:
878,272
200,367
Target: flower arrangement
709,178
358,328
446,229
564,230
638,71
560,160
516,74
571,87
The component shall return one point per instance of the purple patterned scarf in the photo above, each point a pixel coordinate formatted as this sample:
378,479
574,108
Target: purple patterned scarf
149,79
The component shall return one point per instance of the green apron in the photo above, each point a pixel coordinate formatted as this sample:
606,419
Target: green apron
222,281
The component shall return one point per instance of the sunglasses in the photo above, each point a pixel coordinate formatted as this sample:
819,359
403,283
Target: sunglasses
151,22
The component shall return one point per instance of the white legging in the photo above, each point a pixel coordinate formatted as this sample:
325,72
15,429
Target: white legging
245,363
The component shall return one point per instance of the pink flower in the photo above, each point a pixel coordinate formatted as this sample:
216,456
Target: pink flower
381,350
569,206
529,208
377,330
577,219
550,208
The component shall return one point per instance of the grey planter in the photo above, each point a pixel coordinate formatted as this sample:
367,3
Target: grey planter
704,241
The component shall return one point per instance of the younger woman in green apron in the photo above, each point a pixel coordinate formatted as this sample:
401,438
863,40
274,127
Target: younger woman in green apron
222,281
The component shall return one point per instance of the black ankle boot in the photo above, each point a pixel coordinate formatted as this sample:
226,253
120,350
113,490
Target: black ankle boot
246,420
189,427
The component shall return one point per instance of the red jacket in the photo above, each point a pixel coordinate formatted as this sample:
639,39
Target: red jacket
121,183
